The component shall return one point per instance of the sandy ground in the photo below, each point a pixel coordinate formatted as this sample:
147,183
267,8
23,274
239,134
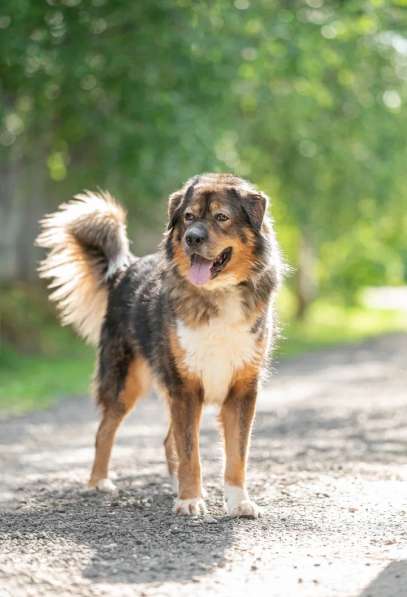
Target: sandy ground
328,467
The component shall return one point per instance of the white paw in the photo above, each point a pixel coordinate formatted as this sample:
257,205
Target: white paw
192,507
106,486
238,503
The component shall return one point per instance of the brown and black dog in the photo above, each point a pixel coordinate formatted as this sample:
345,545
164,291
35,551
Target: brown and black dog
195,318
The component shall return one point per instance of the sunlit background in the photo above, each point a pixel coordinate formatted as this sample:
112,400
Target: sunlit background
306,99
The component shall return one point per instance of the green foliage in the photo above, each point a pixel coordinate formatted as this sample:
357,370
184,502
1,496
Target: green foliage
330,323
39,360
304,97
32,382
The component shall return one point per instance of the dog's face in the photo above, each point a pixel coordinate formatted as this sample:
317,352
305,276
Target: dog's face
215,225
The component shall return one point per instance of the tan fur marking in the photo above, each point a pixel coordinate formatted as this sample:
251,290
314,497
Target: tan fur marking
186,415
181,259
104,444
241,264
171,452
216,206
186,411
236,417
136,384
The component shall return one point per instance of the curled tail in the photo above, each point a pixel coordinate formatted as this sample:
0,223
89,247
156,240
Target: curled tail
87,244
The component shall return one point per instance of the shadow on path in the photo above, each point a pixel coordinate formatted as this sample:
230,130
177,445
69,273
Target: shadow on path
391,582
329,426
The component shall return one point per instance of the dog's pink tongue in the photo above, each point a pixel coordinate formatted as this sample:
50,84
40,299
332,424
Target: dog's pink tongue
200,271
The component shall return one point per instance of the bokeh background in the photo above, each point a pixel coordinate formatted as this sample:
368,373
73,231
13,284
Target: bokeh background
305,98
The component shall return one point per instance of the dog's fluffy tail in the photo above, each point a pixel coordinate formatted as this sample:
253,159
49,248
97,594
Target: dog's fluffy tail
87,244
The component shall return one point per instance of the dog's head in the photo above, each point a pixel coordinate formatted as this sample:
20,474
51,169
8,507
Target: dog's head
217,230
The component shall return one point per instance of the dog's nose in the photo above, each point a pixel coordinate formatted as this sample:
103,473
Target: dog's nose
196,235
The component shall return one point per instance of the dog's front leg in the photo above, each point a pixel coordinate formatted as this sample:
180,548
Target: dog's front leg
236,417
186,410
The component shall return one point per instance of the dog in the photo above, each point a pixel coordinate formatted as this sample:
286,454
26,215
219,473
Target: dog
195,319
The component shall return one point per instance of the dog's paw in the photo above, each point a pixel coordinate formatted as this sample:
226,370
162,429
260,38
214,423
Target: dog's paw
244,509
238,503
104,485
191,507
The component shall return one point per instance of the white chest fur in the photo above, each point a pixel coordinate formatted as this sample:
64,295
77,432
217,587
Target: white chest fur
214,351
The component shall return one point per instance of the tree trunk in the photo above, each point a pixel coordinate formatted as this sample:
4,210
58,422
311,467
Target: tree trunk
22,202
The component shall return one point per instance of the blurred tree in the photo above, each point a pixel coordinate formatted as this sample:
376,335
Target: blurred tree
304,97
321,88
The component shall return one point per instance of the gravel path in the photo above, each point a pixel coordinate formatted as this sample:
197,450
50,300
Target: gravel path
328,467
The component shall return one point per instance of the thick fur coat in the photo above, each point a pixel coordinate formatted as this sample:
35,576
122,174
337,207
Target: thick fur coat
195,319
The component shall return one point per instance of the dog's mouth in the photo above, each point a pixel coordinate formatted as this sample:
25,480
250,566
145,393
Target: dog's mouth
202,270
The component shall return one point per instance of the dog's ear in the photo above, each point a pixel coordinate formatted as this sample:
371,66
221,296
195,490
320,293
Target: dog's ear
174,204
254,205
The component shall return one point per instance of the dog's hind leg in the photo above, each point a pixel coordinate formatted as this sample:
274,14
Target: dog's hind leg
116,405
112,417
172,458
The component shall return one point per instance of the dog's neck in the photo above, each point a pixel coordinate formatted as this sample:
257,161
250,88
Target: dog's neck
196,306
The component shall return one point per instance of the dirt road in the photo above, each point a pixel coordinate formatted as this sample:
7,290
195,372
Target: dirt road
328,467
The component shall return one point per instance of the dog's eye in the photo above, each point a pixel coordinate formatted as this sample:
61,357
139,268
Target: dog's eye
188,216
221,217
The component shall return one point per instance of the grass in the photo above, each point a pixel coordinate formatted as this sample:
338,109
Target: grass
329,323
51,362
39,360
32,382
